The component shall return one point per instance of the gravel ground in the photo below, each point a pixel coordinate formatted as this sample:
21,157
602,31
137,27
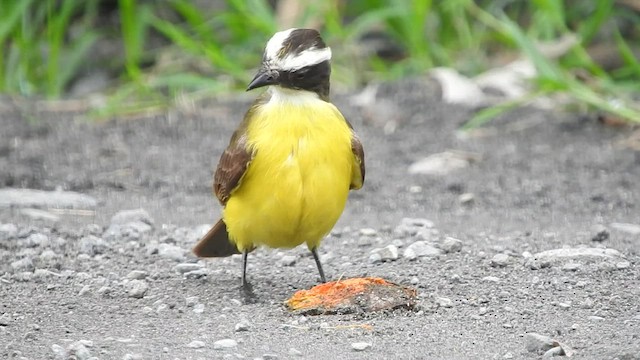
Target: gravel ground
521,239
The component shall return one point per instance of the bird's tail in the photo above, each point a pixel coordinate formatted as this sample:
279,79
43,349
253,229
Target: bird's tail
216,243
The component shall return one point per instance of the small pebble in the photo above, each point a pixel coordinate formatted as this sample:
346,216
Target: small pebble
196,344
536,342
295,352
79,351
466,198
288,260
187,267
85,290
444,302
242,326
571,266
420,249
451,245
224,344
360,346
191,301
624,264
500,260
5,319
269,356
375,258
137,275
368,232
493,279
595,318
137,288
24,264
198,308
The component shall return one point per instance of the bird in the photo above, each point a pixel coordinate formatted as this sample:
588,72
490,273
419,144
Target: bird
285,176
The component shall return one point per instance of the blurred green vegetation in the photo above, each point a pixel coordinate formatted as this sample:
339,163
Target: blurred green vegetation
166,49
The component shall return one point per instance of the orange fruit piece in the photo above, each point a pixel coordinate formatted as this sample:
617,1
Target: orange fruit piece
352,295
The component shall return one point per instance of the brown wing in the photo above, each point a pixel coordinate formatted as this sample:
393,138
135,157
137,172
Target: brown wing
236,158
357,178
232,166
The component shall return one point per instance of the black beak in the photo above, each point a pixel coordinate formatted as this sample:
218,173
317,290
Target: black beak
264,77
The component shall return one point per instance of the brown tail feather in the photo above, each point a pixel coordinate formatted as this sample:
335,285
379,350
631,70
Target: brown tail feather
215,243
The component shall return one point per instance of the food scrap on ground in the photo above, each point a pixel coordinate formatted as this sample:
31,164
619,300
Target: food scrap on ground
352,295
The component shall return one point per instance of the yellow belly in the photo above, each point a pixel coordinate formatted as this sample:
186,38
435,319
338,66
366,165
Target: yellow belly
296,186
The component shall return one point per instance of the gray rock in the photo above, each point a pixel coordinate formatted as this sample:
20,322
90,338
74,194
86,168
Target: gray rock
444,302
466,198
500,260
5,319
104,291
184,268
29,198
288,260
59,352
368,232
37,214
24,264
78,350
568,253
196,344
360,346
632,229
92,245
412,226
132,357
571,266
137,275
137,227
269,356
387,253
242,326
137,288
600,233
451,245
492,279
295,352
197,274
420,249
538,343
171,252
85,290
624,264
8,231
224,344
375,258
35,240
442,163
198,308
130,216
191,301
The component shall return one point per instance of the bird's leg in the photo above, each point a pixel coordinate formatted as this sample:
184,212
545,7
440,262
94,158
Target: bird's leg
314,251
245,255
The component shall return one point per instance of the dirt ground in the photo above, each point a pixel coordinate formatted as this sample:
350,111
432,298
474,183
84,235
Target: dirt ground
539,181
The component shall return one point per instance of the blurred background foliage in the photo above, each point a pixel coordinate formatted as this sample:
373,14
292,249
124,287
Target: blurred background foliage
141,54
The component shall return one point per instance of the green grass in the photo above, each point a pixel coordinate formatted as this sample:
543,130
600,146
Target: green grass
46,45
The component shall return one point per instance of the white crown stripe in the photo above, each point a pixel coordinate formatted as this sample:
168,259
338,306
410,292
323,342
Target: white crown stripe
291,62
304,59
275,43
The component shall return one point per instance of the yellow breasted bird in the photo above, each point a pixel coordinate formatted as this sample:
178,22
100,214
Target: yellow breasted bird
284,179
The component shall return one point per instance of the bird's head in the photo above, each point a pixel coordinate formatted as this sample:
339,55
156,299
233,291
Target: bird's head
295,59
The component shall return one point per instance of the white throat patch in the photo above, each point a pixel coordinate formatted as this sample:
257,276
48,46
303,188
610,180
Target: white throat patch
290,62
